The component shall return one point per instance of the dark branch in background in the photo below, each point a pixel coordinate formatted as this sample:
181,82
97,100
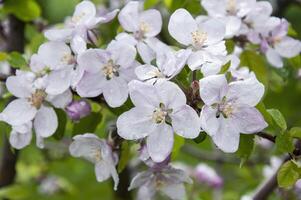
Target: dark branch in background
14,42
271,138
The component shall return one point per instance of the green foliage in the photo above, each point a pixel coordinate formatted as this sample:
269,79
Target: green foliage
288,174
278,118
230,45
62,119
25,10
225,67
246,147
295,132
284,143
178,143
256,63
124,156
150,3
16,60
87,124
202,136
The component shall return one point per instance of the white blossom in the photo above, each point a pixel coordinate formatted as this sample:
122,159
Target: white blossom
160,111
97,151
107,72
168,64
77,29
229,109
167,180
142,27
204,38
31,109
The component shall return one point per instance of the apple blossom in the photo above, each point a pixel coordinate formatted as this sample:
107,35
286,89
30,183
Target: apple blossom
205,174
275,43
142,27
78,109
55,61
230,12
107,72
78,28
205,39
166,179
168,64
229,109
160,111
97,151
31,105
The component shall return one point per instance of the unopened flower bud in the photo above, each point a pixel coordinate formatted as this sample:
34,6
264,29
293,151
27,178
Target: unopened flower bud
205,174
78,109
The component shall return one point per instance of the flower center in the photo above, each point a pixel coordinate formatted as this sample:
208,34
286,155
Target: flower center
198,38
37,98
143,28
67,59
231,6
161,114
77,18
110,70
225,108
97,155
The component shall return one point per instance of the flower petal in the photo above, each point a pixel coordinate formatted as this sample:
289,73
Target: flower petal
78,44
153,20
61,100
146,72
160,142
91,85
181,25
213,88
18,112
128,17
248,91
215,30
145,52
59,81
248,119
115,92
84,12
174,191
123,54
19,86
46,122
186,122
61,35
93,59
288,47
135,124
274,58
140,179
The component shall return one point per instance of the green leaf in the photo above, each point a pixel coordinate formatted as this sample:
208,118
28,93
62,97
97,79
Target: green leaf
291,31
295,61
246,147
87,124
225,67
202,136
267,117
295,132
25,10
16,60
230,45
62,119
150,3
278,118
256,63
287,174
3,56
15,192
124,156
178,143
284,143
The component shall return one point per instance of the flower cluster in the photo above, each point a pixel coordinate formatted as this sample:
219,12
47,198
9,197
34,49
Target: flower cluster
138,65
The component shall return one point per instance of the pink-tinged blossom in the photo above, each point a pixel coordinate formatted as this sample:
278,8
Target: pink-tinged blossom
160,111
166,179
107,72
97,151
31,109
205,174
78,28
205,39
78,109
142,27
274,42
229,109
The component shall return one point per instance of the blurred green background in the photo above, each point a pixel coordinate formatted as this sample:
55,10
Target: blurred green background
66,178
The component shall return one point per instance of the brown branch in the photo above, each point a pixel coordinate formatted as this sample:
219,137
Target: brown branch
15,42
267,136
